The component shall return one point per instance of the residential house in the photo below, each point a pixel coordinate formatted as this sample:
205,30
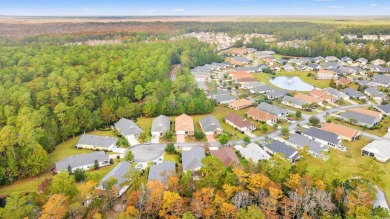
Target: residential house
262,89
362,118
350,36
184,125
236,75
370,37
330,65
240,104
239,60
275,68
119,173
347,59
281,148
299,142
224,98
272,109
295,61
160,125
251,85
253,152
380,149
378,62
384,109
294,102
342,82
307,98
348,70
238,52
354,94
324,137
337,93
322,95
384,37
281,61
276,93
358,70
312,66
192,159
362,61
242,81
326,75
318,59
96,142
226,155
259,115
83,161
129,130
269,61
376,95
302,68
210,125
162,172
346,133
364,83
240,123
331,59
381,80
288,68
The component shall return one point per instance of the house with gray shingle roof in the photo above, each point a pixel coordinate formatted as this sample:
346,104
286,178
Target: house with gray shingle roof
272,109
332,59
360,119
330,65
224,99
192,159
294,102
364,83
384,109
128,128
210,125
253,152
279,147
96,142
319,59
381,80
362,61
312,66
118,173
314,147
375,94
380,149
288,68
262,89
161,172
323,137
337,93
83,161
354,94
347,59
160,125
276,93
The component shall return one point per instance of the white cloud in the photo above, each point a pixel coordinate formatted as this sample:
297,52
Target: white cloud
178,10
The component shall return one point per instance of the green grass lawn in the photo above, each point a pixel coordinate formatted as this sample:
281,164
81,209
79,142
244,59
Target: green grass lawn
347,167
379,132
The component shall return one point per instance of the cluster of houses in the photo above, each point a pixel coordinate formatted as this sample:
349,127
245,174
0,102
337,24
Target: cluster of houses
367,37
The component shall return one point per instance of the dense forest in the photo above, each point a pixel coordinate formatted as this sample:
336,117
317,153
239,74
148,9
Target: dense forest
269,189
49,93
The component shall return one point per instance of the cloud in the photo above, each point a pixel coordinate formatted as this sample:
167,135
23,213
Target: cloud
178,10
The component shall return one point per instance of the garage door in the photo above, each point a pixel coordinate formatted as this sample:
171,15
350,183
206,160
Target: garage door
180,138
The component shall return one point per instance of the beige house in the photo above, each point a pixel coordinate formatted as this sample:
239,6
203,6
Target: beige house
326,75
184,125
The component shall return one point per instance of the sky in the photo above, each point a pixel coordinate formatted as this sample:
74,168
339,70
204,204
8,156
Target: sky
197,7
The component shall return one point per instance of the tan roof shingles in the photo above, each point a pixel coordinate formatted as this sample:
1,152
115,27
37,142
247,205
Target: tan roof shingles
184,123
238,120
226,155
261,115
340,130
240,103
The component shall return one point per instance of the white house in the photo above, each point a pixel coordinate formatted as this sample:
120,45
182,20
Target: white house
83,161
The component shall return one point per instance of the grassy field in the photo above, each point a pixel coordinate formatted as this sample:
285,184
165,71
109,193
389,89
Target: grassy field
347,167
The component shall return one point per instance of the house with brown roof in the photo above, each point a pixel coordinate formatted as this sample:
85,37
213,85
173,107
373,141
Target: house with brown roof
239,123
238,52
307,98
237,75
342,81
261,116
184,125
326,75
226,155
346,133
240,104
322,95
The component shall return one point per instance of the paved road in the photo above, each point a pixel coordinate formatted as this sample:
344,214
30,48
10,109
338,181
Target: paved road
145,153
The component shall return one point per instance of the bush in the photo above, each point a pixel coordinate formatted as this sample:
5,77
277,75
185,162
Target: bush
199,135
170,148
246,139
314,120
79,175
285,131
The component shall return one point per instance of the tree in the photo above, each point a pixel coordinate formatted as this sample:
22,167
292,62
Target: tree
246,139
264,128
168,135
79,175
129,157
223,138
56,207
138,92
64,184
314,120
18,205
298,114
285,131
331,83
77,210
199,135
188,215
96,165
170,148
213,170
172,205
250,212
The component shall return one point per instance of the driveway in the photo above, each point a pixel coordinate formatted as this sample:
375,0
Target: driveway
210,138
180,138
146,153
155,138
133,141
249,134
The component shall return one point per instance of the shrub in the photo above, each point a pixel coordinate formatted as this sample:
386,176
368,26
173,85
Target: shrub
170,148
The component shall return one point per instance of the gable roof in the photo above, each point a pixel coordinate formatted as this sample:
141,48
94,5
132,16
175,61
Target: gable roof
381,149
272,109
265,88
353,93
321,95
97,141
367,112
343,81
161,124
81,160
127,127
253,151
384,108
369,120
260,114
238,120
280,147
226,155
335,92
306,98
303,141
192,159
294,100
324,135
329,72
118,173
340,130
184,123
240,102
162,171
210,124
375,92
